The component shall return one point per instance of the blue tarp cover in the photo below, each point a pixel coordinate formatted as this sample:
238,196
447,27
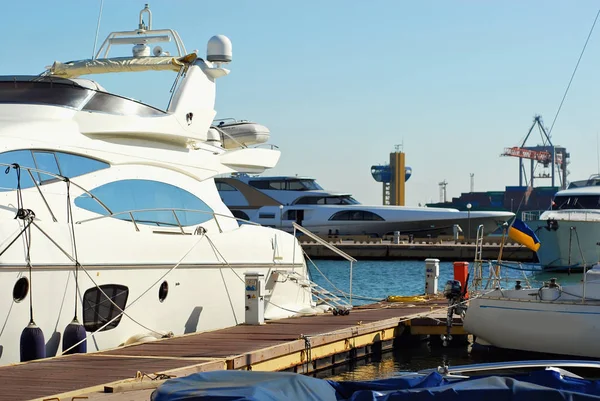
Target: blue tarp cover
544,385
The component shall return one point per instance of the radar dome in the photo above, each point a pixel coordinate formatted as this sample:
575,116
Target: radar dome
218,49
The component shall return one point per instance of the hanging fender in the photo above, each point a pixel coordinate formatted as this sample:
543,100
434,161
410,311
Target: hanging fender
551,225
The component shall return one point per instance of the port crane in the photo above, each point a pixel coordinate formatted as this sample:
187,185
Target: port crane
547,154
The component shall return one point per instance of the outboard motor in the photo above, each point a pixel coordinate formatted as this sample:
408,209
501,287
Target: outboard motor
455,295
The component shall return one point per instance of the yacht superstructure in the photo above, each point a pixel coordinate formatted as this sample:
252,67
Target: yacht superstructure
569,232
110,218
280,201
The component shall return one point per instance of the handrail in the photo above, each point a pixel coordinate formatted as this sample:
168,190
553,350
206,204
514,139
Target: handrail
108,210
225,134
328,246
172,210
322,242
58,177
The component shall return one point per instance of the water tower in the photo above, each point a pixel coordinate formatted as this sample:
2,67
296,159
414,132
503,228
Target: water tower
393,176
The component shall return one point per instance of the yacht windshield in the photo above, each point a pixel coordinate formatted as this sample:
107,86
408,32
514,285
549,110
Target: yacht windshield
57,91
38,90
307,185
562,202
590,182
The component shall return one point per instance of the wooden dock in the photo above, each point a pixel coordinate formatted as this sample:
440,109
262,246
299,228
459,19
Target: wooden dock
302,344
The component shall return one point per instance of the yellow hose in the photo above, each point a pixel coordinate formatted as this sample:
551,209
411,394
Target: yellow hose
407,298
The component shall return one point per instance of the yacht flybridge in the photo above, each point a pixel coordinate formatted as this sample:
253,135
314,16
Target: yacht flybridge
112,229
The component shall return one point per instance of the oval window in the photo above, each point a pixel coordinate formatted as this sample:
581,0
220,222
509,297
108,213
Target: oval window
163,291
21,289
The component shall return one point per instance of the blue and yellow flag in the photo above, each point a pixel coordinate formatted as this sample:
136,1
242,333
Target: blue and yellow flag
521,233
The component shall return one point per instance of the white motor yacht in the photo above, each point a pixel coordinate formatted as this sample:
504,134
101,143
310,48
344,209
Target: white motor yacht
569,232
281,201
111,223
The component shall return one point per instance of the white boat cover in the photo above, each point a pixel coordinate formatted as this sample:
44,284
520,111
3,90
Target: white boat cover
74,69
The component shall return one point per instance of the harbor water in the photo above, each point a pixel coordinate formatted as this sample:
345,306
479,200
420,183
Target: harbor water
375,280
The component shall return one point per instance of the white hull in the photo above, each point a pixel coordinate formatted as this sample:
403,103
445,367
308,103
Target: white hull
419,222
516,319
566,247
202,295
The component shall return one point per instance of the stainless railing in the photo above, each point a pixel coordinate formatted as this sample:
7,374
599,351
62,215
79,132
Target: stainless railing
165,223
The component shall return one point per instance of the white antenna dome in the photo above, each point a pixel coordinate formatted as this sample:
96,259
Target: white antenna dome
141,50
218,49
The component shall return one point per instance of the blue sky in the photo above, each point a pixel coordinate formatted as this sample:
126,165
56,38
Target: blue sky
339,83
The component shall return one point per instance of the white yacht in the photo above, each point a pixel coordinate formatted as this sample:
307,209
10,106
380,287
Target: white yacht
569,232
110,218
281,201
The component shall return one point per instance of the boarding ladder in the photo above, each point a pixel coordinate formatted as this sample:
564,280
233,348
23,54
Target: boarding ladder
478,262
337,305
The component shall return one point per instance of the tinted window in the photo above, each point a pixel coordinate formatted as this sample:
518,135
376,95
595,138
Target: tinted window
45,161
44,92
8,181
289,215
287,185
127,195
73,165
68,165
325,200
576,202
310,184
277,185
372,216
356,215
240,215
259,184
223,186
295,186
98,308
309,200
113,104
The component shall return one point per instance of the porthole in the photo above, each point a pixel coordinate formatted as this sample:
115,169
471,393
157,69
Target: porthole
21,289
163,291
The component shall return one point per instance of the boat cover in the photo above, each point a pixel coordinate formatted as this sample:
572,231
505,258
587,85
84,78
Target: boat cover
543,385
119,64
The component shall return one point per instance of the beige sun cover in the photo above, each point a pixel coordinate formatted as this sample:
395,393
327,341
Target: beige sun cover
75,69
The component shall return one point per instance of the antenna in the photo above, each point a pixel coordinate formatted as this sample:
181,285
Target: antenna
597,153
97,28
472,175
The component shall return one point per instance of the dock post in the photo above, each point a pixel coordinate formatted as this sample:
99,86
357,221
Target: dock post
432,273
255,298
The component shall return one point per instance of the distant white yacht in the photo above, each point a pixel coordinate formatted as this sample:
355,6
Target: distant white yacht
569,232
280,201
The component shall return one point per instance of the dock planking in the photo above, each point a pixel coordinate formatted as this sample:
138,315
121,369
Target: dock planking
277,345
